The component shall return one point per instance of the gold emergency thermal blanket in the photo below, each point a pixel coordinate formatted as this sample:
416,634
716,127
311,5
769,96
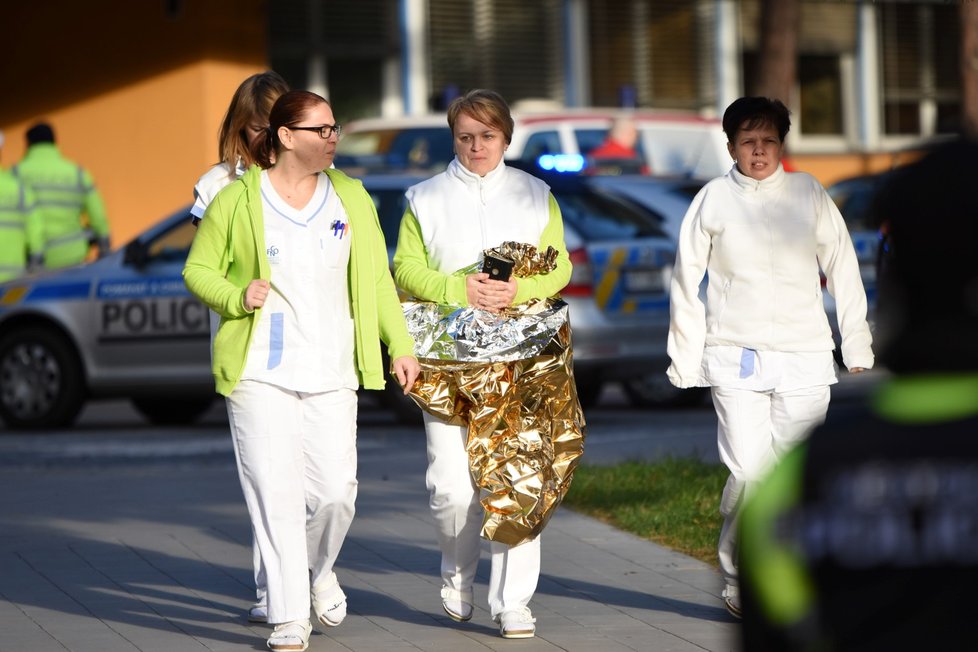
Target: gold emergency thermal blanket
509,379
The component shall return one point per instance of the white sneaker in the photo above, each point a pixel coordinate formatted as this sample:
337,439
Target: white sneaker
517,623
457,604
329,602
290,636
731,600
258,613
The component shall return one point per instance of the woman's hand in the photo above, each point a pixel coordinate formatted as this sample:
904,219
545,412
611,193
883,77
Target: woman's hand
256,293
487,294
406,370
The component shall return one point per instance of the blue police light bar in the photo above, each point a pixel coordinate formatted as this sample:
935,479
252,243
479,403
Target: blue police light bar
561,162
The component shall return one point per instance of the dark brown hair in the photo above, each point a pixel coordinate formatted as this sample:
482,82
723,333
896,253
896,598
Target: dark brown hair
289,110
755,112
252,102
488,107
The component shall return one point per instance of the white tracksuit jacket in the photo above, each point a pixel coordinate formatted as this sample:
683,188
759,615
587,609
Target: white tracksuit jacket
761,244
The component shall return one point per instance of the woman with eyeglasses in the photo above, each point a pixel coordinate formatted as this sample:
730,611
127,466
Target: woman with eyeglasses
292,257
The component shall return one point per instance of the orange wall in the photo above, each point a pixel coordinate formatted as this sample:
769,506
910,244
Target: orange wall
831,168
134,94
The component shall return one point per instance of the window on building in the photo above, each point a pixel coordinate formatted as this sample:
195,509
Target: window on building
821,95
919,44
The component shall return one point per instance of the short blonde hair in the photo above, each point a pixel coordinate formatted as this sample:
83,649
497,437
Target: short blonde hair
488,107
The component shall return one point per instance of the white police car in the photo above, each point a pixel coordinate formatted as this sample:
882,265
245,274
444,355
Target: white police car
123,326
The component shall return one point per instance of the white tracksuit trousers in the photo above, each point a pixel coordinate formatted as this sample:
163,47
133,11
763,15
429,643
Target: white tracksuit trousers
297,462
458,514
755,429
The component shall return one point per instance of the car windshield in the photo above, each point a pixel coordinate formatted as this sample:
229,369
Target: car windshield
428,148
598,217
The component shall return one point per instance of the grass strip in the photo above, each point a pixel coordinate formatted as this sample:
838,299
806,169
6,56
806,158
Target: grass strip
673,502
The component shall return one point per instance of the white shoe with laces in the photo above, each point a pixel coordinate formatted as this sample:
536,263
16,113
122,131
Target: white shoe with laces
293,635
517,623
457,604
329,602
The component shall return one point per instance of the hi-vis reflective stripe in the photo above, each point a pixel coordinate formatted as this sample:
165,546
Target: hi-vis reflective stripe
59,203
17,269
65,239
11,224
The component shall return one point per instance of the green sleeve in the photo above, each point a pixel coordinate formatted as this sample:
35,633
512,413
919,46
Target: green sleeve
414,276
390,316
205,272
542,286
776,572
95,208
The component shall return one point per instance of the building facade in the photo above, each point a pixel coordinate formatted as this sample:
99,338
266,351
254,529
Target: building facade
875,79
136,90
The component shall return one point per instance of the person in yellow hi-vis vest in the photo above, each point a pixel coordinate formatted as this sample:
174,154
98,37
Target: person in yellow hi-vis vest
21,235
63,192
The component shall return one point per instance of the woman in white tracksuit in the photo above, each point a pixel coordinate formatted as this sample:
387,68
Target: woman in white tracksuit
245,122
477,203
762,341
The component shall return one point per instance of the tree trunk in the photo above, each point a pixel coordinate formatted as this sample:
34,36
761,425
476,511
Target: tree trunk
778,52
969,68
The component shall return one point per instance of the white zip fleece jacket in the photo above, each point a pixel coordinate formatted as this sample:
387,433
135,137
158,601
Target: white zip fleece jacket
761,244
461,213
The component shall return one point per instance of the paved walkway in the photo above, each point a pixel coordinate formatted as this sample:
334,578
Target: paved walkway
156,557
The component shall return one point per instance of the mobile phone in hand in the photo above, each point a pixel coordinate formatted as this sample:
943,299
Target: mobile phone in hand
498,269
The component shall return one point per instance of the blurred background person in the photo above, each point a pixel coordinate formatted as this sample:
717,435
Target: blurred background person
21,232
245,124
71,208
293,259
618,153
863,538
762,341
477,203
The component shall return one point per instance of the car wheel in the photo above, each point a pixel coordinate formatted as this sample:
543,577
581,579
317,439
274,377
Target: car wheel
41,380
655,391
172,412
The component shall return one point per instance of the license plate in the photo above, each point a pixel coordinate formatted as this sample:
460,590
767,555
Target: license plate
644,280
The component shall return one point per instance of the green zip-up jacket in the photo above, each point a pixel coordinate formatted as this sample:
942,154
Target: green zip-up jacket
228,253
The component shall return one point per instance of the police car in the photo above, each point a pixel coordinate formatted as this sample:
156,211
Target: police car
670,143
618,292
123,326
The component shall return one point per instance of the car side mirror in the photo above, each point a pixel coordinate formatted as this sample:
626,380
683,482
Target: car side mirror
136,254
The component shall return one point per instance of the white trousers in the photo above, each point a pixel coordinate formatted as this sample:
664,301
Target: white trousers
297,462
755,429
458,514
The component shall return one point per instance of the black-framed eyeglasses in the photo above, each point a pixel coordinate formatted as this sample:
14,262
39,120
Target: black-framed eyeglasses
324,131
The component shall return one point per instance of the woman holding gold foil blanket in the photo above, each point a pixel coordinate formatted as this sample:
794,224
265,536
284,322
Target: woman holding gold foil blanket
476,204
